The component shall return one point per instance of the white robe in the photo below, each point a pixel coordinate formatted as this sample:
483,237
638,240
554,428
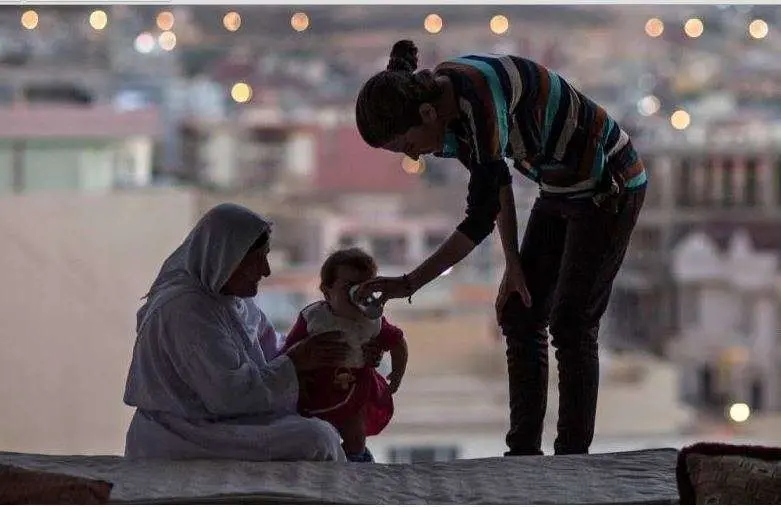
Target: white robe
206,377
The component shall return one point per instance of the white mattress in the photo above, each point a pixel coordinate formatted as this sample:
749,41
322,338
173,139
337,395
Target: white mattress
625,478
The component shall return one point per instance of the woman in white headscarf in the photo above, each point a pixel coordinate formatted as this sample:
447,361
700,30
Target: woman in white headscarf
207,378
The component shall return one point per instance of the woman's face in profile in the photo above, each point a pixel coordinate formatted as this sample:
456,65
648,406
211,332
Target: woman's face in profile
251,270
428,137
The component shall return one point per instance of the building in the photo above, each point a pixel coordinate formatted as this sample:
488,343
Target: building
75,267
717,178
67,147
728,348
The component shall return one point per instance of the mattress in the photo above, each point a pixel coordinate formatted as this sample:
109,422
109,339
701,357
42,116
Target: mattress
637,477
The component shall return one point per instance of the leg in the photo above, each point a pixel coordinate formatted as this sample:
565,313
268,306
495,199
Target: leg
594,249
526,334
353,436
307,439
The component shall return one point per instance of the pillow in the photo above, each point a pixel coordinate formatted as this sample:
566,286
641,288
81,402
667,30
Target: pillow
24,486
712,473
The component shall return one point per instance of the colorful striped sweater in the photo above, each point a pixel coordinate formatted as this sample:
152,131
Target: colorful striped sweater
511,107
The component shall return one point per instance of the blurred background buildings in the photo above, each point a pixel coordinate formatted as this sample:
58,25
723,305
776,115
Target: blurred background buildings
120,125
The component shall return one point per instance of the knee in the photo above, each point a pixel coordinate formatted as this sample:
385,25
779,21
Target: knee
519,321
573,330
323,441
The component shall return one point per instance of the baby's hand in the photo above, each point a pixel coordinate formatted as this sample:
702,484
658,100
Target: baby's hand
372,353
394,380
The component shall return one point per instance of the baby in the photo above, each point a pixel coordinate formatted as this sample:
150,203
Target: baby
354,397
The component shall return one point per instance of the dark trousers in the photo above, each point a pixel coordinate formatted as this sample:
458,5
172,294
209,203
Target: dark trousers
570,255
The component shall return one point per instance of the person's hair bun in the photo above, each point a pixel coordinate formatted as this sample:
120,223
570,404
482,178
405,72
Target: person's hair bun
403,57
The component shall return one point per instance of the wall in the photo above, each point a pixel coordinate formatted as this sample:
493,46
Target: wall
74,268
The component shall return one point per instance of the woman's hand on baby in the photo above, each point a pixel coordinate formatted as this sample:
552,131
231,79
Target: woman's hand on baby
319,351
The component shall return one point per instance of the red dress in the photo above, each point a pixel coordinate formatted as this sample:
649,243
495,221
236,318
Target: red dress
339,394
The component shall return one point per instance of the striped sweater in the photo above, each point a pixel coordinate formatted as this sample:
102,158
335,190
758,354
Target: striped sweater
511,107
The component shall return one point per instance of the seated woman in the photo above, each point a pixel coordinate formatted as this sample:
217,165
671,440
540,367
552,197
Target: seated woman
207,378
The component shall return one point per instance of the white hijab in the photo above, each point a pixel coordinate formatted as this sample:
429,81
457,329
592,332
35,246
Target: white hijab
207,257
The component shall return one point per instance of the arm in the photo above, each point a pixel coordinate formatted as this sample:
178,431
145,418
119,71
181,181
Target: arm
508,223
399,358
391,338
220,373
296,334
483,205
270,340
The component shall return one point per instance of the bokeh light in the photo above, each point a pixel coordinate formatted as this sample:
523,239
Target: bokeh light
165,20
654,27
98,19
167,41
144,43
739,412
693,27
241,92
680,119
649,105
758,29
299,21
30,20
499,24
433,23
411,166
231,21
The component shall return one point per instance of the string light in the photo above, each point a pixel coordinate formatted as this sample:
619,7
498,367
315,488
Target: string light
433,23
30,20
98,20
241,92
693,27
144,43
165,20
499,24
299,21
654,27
680,119
758,29
231,21
167,41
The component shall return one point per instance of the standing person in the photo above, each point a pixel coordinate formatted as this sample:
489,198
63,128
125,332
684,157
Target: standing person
482,109
207,377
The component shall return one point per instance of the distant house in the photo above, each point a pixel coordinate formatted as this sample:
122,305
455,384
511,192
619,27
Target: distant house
69,147
728,347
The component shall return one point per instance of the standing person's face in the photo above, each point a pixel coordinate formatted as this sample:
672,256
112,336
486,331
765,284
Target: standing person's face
338,294
251,270
428,137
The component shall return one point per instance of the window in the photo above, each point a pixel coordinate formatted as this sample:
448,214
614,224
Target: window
422,454
705,387
688,307
389,249
434,239
709,183
686,187
729,194
746,317
750,183
777,172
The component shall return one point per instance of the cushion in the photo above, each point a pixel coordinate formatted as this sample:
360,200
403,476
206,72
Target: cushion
23,486
712,473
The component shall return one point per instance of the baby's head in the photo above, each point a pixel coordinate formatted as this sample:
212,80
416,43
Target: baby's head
341,270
